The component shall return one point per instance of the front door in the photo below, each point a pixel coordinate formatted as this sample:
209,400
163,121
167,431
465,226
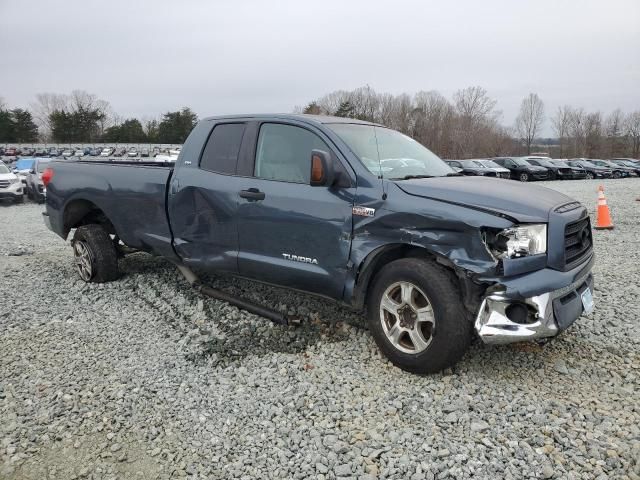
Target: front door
290,233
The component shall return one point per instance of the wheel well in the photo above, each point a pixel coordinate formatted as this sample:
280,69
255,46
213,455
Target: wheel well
370,267
84,212
374,262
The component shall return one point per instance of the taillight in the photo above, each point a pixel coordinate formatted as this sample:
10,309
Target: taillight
47,175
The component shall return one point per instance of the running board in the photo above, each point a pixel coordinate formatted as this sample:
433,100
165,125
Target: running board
251,307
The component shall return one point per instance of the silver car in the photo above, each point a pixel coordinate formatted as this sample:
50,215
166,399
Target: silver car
501,172
35,188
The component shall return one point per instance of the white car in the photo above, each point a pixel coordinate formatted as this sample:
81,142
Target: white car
501,172
174,152
67,153
106,152
133,152
78,153
10,185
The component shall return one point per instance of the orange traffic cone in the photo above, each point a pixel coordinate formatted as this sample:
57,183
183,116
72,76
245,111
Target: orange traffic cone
603,215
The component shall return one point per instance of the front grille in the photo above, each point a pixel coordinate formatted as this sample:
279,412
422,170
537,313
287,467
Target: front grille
578,242
490,174
565,171
505,175
4,183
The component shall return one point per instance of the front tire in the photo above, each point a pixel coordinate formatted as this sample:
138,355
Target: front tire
416,316
589,176
524,177
19,199
95,256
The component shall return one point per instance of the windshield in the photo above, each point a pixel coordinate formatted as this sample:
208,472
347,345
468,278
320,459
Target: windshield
3,168
471,164
489,164
587,164
24,164
559,163
544,162
388,153
42,165
521,161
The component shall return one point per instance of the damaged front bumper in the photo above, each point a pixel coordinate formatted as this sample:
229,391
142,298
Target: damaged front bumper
518,310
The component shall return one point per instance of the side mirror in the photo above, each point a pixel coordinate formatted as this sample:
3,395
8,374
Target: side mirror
33,170
322,172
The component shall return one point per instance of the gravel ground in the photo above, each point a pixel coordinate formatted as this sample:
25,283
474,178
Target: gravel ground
143,378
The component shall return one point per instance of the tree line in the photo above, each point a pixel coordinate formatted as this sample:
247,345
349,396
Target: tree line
81,117
467,125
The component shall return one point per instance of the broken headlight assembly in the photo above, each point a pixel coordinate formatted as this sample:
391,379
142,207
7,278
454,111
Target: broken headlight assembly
517,241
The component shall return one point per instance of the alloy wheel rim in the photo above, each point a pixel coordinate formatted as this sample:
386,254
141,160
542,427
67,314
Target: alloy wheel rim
407,317
83,260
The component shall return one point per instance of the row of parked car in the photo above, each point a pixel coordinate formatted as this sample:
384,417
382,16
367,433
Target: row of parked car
531,168
79,152
23,177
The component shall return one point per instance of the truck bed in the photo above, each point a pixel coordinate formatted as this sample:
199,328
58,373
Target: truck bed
131,194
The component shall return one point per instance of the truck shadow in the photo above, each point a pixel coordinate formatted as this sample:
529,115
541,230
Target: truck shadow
217,333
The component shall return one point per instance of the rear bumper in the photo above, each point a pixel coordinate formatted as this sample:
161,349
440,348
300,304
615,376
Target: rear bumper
506,316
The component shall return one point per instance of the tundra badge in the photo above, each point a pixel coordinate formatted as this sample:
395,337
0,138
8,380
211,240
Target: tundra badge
296,258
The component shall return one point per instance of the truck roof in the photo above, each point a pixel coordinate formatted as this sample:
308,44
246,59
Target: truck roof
318,119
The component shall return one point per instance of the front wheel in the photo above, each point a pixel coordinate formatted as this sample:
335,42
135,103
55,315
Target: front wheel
416,316
617,174
589,176
94,254
524,177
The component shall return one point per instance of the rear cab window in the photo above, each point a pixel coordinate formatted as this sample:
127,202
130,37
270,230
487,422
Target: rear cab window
220,154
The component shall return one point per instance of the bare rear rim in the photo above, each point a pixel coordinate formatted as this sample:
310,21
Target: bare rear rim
407,317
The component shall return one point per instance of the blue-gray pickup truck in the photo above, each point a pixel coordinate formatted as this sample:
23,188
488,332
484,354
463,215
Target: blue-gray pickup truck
348,210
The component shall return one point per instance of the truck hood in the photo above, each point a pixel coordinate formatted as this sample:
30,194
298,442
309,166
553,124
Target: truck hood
520,201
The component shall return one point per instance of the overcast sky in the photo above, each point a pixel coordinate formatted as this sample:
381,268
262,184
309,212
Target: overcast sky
148,57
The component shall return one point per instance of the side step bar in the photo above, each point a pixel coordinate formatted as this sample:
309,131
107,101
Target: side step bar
260,310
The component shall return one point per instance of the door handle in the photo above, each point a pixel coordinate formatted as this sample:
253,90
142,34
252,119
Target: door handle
252,194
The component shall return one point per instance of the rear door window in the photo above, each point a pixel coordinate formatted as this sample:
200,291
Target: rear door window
221,151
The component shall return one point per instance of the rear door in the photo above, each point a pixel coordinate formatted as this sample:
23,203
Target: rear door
204,198
291,233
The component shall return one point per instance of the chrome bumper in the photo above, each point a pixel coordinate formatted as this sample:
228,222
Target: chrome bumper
549,313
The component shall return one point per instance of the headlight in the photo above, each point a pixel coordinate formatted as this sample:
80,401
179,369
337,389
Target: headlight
14,180
520,241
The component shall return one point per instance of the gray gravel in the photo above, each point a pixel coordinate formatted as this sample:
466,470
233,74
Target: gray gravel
143,378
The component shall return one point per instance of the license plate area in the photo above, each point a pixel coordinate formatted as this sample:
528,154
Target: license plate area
587,300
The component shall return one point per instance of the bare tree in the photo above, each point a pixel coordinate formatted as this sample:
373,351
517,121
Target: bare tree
45,104
474,108
632,130
473,103
529,120
577,131
614,132
593,134
561,122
